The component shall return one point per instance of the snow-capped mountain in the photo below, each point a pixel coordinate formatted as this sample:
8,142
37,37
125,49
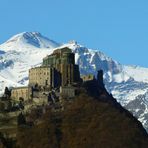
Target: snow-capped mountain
129,84
19,53
26,40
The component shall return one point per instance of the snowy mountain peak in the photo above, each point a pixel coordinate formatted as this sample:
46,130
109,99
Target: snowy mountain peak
32,40
24,36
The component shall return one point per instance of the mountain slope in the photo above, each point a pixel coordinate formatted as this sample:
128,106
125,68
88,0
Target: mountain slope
27,49
86,123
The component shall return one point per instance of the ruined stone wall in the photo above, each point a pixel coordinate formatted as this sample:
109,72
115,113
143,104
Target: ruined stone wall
20,92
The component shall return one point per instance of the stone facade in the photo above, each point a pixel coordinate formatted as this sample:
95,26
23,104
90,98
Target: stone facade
43,76
20,92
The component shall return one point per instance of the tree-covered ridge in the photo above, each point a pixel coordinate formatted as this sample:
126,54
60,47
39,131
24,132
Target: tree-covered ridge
85,123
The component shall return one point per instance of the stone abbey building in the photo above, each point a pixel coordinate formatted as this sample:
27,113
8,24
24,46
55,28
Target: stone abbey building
58,70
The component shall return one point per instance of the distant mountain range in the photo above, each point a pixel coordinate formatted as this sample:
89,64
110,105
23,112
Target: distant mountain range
129,84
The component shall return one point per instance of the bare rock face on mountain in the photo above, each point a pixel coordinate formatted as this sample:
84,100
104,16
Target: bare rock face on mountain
26,50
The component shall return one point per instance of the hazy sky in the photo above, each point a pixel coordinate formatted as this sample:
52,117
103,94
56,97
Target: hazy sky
117,27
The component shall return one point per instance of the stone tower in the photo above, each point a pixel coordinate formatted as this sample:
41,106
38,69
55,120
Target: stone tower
100,78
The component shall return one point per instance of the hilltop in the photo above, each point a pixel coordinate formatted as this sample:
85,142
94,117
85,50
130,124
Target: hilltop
92,119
